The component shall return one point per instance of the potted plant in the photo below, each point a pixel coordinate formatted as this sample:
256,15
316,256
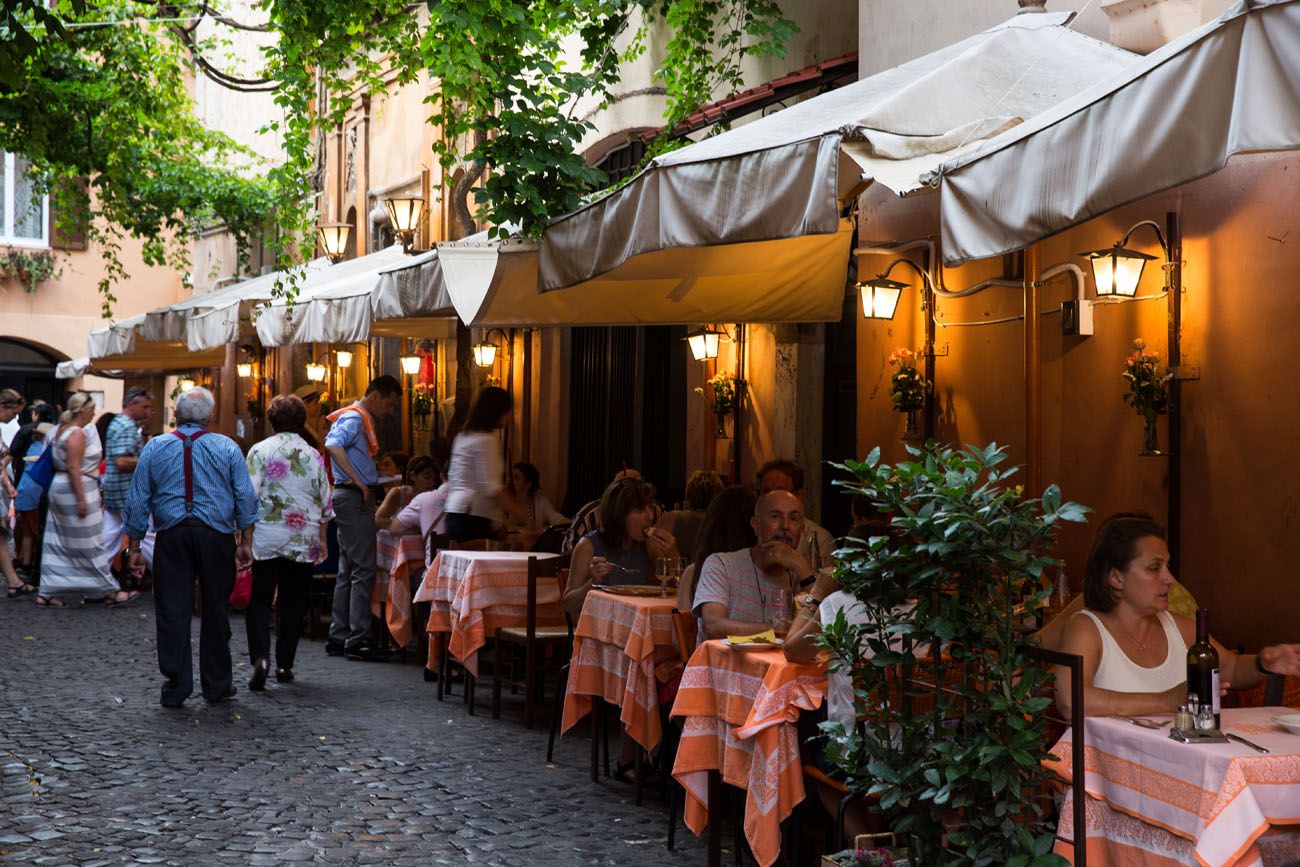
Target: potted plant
720,391
871,850
1148,391
907,388
970,562
421,402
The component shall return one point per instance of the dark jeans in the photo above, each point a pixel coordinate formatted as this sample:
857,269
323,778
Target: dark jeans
181,554
466,528
293,581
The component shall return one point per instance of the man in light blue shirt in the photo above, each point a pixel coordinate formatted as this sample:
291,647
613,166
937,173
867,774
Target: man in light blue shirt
352,445
196,487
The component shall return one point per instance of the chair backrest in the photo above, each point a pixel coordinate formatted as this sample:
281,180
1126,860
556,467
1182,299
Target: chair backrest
470,545
686,630
1074,664
537,568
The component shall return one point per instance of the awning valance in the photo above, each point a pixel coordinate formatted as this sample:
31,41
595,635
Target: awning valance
794,172
1176,115
411,300
801,279
332,306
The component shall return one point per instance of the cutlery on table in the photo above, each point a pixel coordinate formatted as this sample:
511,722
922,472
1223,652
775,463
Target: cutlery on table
1147,723
1239,739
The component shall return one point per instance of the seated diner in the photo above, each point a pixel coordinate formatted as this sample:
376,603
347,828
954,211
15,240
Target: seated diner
740,592
623,551
1134,650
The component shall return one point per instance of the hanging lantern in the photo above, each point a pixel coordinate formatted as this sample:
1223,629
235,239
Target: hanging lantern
485,354
333,239
244,369
404,213
316,372
880,297
410,364
344,358
1117,270
703,342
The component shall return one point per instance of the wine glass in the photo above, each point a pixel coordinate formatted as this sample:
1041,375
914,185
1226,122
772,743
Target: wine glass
663,574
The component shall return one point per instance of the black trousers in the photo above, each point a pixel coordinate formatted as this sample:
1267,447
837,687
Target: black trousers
466,528
181,554
293,581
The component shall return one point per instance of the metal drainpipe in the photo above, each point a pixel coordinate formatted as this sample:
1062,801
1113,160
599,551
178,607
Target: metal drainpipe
737,426
1033,377
928,420
1174,236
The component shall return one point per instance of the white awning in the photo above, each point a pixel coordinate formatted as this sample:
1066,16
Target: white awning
72,368
1227,88
119,347
494,283
332,306
411,300
170,323
793,173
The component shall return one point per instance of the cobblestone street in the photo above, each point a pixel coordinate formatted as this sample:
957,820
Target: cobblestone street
354,763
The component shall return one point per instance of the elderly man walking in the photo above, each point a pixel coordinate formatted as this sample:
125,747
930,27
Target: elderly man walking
122,445
195,485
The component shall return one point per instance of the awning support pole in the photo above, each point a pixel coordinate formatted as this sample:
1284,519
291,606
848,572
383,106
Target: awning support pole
928,421
1033,376
1174,236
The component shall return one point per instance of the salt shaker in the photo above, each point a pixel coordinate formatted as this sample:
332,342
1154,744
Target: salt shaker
1205,720
1183,720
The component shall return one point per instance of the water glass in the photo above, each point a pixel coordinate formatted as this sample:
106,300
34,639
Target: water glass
782,603
664,573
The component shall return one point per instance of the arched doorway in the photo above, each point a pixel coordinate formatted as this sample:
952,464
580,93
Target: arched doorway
29,370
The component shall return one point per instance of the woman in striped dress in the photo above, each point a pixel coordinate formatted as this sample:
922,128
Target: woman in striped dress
74,559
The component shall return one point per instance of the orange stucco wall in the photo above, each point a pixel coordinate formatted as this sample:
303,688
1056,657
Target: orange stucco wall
1238,447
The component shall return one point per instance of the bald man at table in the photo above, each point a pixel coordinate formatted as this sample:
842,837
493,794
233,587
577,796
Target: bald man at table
736,591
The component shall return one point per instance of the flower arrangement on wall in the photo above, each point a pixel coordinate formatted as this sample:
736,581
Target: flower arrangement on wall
907,387
1148,391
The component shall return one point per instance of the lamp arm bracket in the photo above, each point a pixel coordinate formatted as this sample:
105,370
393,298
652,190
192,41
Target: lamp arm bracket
1155,227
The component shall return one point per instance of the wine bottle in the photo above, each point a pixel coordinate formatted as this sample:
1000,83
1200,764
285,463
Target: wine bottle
1203,667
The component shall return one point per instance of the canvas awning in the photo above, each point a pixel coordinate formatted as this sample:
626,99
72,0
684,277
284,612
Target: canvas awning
793,174
1178,114
332,306
494,283
170,324
72,368
119,347
411,300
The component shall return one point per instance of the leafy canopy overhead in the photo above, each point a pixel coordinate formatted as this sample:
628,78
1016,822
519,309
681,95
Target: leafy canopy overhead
104,115
504,98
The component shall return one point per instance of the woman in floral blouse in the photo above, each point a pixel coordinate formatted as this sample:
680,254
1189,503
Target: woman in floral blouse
290,538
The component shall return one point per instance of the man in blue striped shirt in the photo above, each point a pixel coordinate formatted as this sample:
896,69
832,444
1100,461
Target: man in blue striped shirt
195,485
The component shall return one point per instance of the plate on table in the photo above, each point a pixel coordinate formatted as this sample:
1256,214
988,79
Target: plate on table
1289,721
754,645
630,589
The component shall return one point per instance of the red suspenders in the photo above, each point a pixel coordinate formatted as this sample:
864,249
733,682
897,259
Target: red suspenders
189,466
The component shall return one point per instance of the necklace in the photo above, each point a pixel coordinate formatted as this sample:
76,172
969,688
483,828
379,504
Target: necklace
1140,644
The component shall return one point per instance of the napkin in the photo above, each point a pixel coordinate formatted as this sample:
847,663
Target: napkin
768,637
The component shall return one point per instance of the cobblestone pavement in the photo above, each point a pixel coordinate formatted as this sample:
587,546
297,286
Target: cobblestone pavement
354,763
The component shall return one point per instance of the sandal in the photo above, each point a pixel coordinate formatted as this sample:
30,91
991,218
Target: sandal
50,602
21,589
121,597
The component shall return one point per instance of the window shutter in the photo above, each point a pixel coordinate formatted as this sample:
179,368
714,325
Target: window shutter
73,236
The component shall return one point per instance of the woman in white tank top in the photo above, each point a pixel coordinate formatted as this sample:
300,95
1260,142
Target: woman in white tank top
1134,651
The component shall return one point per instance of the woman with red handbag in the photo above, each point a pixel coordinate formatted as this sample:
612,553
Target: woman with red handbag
293,491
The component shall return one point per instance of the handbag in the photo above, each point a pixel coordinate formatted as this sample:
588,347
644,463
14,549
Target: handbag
42,472
243,592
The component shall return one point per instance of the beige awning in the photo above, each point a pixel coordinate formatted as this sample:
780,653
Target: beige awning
799,279
411,300
1178,114
332,305
120,347
795,172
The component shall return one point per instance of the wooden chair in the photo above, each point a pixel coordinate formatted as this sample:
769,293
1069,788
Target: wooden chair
1074,663
535,642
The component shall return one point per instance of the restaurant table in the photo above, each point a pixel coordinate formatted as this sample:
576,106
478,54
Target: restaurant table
740,712
473,593
623,648
396,557
1155,801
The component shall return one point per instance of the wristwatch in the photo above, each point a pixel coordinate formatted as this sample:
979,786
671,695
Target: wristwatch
809,600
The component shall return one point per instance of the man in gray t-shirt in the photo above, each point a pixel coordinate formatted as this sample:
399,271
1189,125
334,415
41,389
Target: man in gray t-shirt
736,591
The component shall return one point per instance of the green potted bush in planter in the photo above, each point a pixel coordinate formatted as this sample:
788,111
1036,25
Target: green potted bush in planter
958,768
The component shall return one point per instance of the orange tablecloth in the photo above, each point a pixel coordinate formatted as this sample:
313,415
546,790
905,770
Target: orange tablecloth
395,558
740,711
1154,801
473,593
614,650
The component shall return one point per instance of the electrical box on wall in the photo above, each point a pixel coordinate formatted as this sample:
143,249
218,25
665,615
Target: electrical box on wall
1076,318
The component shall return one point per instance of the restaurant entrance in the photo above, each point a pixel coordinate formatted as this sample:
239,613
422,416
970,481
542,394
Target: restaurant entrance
29,371
627,391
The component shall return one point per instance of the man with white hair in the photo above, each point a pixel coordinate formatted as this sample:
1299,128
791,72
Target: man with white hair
196,487
737,593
